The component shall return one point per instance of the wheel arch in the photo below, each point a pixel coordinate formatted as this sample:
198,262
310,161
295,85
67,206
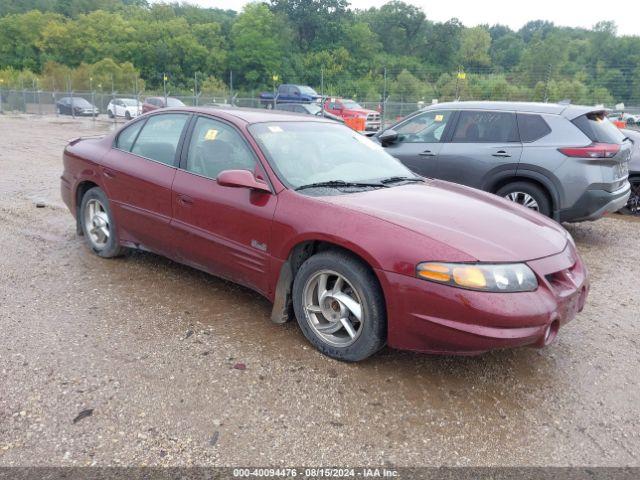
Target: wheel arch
535,178
298,252
81,188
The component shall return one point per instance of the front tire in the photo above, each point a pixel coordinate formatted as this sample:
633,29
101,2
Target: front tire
109,113
528,195
98,225
340,306
127,115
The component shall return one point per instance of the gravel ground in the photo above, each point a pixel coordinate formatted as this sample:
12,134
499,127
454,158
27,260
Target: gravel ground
141,361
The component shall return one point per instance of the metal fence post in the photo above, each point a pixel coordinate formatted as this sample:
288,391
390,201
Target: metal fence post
113,102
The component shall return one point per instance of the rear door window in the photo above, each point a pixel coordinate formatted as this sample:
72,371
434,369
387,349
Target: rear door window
598,128
532,127
486,127
160,136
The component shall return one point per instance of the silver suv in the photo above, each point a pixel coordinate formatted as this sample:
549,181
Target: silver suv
567,162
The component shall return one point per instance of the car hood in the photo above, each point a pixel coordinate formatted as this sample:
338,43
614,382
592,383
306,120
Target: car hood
485,227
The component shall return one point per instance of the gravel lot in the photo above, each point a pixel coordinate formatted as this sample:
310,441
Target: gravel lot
180,368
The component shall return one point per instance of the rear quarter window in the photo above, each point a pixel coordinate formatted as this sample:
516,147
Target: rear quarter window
532,127
127,136
598,128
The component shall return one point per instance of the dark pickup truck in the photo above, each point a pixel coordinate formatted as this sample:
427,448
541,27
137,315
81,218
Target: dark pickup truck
290,94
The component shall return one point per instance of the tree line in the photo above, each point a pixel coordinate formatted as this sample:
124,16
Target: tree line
133,45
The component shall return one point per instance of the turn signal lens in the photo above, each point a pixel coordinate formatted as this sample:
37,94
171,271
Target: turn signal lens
434,271
499,277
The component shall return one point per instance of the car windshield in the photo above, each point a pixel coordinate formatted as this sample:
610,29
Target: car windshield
174,102
313,109
351,105
81,102
305,153
307,91
130,102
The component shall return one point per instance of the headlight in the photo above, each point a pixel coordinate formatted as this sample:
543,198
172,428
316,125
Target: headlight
496,277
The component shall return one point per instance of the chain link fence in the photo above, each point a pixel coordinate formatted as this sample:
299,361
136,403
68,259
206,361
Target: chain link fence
47,102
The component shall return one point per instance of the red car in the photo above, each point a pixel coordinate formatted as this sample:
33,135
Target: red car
154,103
316,217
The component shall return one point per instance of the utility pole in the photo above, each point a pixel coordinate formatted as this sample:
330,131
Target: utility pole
113,100
231,86
322,89
73,110
546,84
164,86
93,99
1,83
384,98
195,88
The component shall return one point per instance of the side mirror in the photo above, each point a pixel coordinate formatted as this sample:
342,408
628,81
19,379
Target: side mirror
388,137
241,179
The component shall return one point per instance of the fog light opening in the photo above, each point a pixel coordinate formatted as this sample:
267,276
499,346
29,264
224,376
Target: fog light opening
551,332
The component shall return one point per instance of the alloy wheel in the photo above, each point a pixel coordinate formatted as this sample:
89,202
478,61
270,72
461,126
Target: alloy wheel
333,308
96,223
523,199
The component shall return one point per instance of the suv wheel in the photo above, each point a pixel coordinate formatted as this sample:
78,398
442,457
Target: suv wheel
528,195
339,306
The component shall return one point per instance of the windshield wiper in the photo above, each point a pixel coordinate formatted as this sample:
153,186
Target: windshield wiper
401,179
340,183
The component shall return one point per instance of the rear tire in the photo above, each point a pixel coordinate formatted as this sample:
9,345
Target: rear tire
98,224
340,306
528,195
127,115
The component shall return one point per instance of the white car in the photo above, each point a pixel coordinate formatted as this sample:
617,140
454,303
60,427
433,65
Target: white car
124,107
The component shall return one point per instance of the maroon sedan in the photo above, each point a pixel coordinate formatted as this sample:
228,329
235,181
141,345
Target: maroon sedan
324,223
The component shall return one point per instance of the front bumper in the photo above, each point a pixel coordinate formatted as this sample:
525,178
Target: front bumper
594,204
433,318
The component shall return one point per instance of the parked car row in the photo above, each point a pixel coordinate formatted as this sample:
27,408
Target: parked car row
127,108
326,224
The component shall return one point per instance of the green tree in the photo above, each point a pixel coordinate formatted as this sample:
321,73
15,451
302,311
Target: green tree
474,47
259,41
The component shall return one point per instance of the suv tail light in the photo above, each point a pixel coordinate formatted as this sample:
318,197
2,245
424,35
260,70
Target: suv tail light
595,150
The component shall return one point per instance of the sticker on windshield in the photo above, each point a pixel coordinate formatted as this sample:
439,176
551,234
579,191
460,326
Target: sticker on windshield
439,118
211,134
275,129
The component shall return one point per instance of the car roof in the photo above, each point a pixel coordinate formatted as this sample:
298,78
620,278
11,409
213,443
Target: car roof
566,110
251,115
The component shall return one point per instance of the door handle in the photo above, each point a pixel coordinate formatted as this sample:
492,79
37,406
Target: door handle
501,153
185,200
109,174
427,153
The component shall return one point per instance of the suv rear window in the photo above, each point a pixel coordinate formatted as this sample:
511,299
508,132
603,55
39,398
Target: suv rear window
598,128
532,127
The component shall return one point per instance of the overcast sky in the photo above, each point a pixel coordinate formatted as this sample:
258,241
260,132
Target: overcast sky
514,13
